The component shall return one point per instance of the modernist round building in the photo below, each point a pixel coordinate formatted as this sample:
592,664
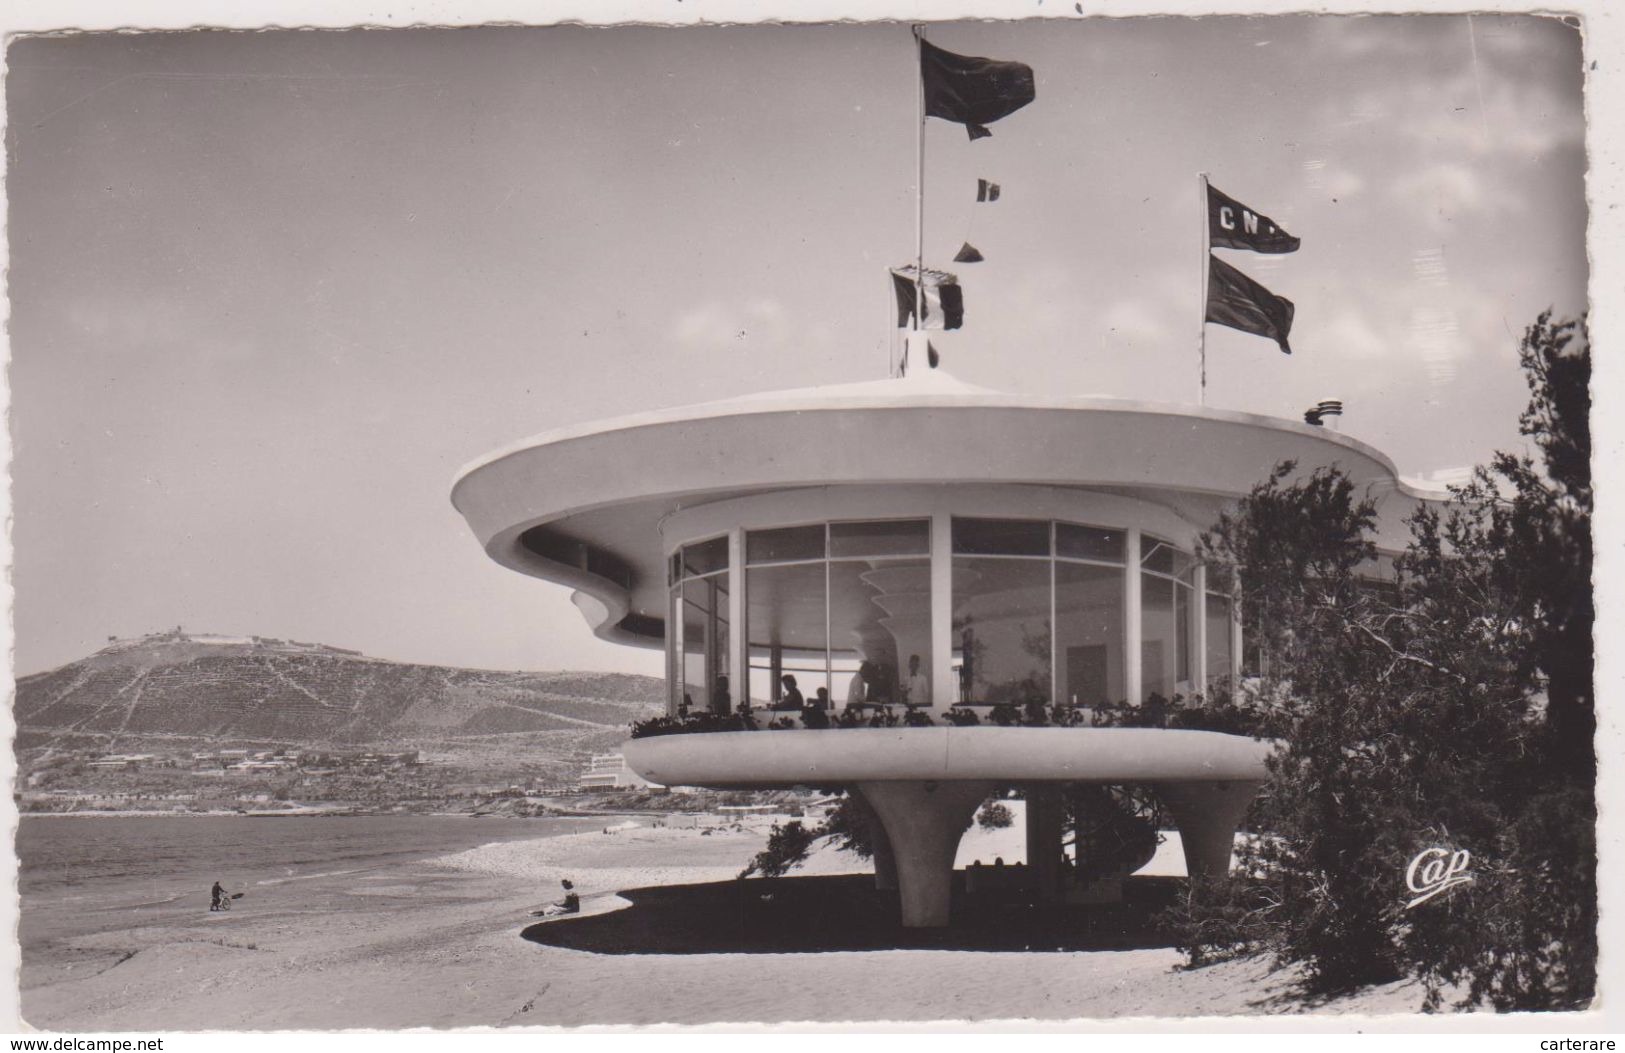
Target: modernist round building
946,546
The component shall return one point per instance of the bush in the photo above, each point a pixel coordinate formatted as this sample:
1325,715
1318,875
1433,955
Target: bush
995,816
787,848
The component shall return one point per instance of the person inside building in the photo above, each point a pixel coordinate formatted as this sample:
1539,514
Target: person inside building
857,692
721,701
789,695
917,688
816,712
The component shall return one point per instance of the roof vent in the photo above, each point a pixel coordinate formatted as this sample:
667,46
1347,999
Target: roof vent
1329,410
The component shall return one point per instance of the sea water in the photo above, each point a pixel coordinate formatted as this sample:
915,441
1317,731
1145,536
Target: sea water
96,853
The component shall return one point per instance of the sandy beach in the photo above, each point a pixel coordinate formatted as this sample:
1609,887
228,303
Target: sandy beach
438,943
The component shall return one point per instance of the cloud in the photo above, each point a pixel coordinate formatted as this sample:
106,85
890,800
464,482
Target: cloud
1350,333
1440,191
718,326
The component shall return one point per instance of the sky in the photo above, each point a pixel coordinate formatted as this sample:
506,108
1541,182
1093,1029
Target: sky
270,291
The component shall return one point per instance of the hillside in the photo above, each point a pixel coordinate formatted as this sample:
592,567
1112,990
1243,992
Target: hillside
166,690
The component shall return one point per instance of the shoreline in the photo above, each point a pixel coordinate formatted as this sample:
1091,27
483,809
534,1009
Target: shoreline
436,941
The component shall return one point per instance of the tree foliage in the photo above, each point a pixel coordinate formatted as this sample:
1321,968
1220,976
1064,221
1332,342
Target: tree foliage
787,848
995,816
1449,703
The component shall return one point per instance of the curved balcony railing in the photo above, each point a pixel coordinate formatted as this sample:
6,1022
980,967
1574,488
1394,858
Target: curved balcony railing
1218,713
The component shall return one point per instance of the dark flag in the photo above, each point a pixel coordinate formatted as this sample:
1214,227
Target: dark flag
931,357
944,301
1235,300
968,254
972,91
1232,225
986,192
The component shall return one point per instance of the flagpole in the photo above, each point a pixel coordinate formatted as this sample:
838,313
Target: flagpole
919,192
1201,323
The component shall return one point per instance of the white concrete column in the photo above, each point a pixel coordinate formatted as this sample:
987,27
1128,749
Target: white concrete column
943,681
1207,814
924,821
1235,636
885,861
738,651
1132,680
1199,630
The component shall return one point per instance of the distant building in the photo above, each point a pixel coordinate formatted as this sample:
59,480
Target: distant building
608,771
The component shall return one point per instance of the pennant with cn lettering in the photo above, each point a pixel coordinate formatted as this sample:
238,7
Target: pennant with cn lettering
1232,225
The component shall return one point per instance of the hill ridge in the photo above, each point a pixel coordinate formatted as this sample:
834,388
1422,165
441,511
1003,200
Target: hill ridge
252,689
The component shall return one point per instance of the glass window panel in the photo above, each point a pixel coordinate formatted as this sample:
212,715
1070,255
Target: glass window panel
785,624
1158,636
784,545
903,537
705,644
1156,555
880,623
1085,542
1220,664
1088,634
1001,537
707,557
1001,629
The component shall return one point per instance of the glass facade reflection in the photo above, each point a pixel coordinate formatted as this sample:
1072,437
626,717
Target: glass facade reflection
844,607
1038,610
697,652
1166,581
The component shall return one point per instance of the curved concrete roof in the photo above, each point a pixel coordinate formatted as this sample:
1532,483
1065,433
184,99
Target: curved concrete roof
607,485
803,757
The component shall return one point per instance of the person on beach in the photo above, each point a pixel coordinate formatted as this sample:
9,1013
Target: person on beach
217,897
570,904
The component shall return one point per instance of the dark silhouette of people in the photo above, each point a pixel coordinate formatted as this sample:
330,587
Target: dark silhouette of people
790,697
721,701
858,691
917,688
821,699
217,897
570,904
816,712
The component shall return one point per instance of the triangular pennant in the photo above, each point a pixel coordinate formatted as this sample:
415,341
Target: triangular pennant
967,254
986,191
